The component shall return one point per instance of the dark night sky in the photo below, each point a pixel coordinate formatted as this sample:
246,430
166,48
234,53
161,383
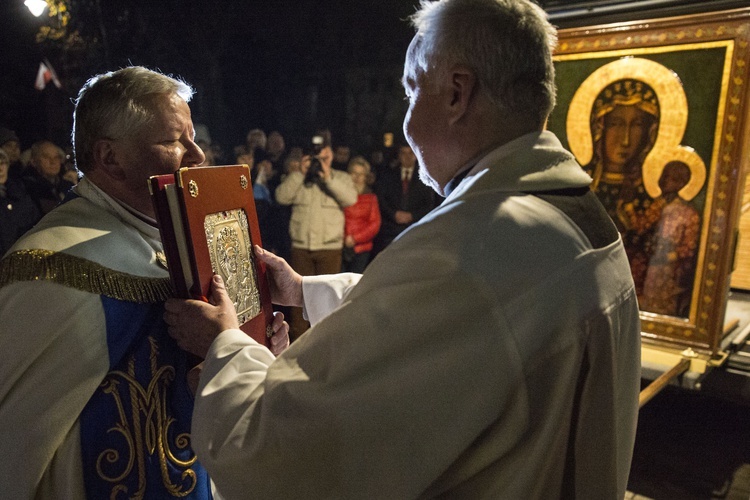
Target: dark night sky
292,65
19,60
274,59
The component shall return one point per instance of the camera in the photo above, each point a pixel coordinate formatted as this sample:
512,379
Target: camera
313,172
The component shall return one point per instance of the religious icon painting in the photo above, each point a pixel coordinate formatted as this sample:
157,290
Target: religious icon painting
229,244
657,113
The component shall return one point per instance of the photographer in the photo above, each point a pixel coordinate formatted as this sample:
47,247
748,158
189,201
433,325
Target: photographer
318,195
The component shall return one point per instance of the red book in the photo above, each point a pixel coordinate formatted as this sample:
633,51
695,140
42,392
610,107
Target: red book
208,226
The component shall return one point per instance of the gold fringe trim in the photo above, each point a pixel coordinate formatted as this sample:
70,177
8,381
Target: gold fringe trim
82,274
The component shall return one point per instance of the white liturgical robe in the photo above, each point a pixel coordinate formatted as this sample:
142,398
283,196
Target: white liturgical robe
489,352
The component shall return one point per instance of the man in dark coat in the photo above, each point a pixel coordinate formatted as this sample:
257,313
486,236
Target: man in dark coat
402,197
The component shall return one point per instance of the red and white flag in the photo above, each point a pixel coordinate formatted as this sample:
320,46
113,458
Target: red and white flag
45,75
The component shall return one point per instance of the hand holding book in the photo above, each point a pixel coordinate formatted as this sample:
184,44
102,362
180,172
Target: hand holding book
208,226
285,283
196,324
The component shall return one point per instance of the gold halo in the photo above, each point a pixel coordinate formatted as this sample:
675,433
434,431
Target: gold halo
686,155
672,122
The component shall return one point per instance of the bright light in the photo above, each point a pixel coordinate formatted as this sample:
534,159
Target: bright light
36,6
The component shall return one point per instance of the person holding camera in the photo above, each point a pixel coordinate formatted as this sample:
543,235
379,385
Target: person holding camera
318,195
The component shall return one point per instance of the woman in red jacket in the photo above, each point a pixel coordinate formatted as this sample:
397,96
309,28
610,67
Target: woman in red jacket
362,220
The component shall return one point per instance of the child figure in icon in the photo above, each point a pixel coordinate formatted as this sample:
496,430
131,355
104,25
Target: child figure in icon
667,287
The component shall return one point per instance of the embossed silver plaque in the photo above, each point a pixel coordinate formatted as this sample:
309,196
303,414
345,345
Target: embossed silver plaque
230,249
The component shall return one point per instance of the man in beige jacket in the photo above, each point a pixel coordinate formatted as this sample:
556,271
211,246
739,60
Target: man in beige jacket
316,226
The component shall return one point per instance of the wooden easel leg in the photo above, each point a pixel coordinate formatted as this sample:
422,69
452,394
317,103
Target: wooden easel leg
660,383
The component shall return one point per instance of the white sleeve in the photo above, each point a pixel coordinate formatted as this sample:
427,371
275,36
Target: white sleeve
324,293
233,373
250,357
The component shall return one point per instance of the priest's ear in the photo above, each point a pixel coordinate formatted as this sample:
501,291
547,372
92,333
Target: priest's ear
463,83
107,158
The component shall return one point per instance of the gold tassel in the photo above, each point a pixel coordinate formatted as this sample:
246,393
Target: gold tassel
82,274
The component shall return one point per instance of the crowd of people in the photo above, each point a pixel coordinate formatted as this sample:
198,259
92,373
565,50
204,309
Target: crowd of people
326,210
490,350
32,183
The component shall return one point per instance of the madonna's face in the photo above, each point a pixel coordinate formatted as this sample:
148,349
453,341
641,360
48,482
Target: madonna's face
627,132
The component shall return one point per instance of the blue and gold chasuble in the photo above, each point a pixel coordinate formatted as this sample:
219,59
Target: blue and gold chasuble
135,428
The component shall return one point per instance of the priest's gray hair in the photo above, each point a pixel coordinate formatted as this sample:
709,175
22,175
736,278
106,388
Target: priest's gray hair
117,104
507,43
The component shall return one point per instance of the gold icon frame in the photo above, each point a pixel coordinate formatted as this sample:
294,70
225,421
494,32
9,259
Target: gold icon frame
699,64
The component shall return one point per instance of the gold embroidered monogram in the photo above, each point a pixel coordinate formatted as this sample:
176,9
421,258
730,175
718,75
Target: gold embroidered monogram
144,424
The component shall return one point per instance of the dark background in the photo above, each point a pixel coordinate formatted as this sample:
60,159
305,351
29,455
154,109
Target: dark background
291,65
288,65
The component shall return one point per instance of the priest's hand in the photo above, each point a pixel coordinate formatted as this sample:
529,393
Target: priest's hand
285,283
280,339
195,324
